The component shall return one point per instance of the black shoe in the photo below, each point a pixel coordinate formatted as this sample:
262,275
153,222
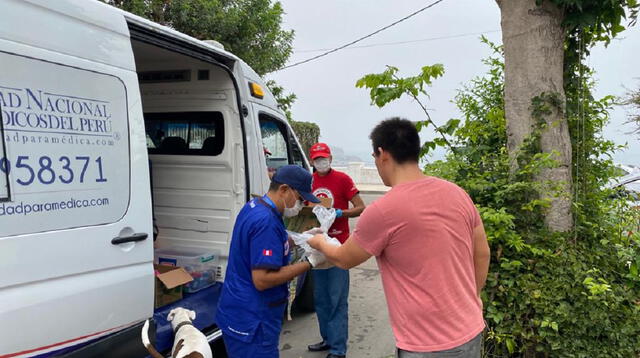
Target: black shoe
318,347
331,355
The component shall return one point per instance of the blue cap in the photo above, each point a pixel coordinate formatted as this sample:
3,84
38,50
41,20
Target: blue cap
298,178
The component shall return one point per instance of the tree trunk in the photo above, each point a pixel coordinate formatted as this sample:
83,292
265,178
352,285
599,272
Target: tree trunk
533,39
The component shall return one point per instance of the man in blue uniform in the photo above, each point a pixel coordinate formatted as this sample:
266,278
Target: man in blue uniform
255,292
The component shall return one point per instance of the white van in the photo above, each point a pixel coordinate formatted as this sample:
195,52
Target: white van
101,112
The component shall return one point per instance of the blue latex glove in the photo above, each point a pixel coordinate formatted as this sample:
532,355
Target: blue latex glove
338,213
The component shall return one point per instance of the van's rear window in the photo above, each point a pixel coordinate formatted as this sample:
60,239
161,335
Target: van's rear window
185,133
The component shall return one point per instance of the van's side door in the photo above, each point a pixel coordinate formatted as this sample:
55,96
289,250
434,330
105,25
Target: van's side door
74,253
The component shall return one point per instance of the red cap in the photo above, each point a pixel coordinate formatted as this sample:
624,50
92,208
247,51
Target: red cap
319,150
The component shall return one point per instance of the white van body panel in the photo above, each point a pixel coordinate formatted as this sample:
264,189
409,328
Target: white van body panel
78,28
64,281
171,33
270,106
259,174
58,269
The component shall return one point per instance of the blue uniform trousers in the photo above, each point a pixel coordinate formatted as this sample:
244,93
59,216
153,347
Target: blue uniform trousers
257,348
331,294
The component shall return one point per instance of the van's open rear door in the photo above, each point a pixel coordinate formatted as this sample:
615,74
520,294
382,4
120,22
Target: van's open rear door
195,130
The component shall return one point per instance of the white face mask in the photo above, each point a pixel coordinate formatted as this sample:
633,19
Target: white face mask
295,210
322,165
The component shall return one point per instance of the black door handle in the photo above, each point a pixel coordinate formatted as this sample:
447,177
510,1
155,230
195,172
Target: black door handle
130,238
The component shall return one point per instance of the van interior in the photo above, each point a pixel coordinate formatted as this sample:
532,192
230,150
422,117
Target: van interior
191,119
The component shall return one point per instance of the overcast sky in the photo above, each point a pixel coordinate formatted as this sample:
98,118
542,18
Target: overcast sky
326,87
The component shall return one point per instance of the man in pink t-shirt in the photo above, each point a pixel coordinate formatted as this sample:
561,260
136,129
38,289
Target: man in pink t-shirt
431,248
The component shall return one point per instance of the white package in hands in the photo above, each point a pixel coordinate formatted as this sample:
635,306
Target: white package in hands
300,239
326,217
327,264
332,240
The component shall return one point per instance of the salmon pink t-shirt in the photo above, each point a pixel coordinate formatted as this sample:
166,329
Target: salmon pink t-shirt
421,234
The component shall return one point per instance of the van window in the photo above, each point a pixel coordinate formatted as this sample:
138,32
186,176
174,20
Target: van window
185,133
274,141
298,157
66,146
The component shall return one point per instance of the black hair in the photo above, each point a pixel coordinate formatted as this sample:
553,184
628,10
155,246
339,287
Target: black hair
399,137
274,186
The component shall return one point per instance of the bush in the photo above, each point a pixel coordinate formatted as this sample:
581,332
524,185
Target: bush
571,295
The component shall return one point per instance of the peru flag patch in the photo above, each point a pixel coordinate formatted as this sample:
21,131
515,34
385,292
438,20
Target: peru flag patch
266,252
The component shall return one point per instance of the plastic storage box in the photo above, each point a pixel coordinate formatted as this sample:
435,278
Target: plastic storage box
202,266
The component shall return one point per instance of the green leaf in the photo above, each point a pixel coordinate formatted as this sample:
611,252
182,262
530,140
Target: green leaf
511,345
450,127
386,87
440,142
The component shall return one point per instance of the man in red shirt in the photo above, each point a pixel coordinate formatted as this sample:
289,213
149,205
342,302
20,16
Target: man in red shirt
331,286
429,242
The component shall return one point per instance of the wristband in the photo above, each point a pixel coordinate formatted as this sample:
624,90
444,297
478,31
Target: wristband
339,213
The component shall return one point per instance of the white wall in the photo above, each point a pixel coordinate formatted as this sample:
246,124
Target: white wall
360,174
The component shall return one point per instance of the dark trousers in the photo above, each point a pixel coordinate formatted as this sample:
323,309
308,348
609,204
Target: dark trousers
331,295
471,349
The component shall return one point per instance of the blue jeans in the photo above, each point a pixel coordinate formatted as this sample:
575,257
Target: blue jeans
331,294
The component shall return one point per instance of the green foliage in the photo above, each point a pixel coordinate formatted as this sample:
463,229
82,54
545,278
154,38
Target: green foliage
548,295
387,87
285,100
308,134
588,22
251,29
599,20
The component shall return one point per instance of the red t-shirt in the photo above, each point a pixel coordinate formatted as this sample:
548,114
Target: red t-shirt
338,187
421,234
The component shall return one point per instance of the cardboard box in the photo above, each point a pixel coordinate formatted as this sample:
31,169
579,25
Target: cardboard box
326,202
201,264
306,219
169,281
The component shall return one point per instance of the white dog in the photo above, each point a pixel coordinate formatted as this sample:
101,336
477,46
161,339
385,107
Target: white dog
188,341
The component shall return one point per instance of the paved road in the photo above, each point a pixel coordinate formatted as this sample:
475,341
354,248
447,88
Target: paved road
370,335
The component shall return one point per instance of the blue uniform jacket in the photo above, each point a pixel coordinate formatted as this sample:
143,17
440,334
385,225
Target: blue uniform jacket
259,241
